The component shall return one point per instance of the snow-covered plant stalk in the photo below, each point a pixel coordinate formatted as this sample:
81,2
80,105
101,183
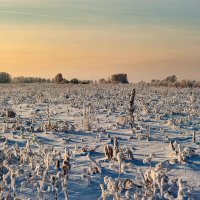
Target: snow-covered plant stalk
119,159
180,190
13,185
194,137
130,154
142,177
148,132
115,148
53,182
65,186
179,154
66,154
66,169
112,188
108,150
86,122
28,149
132,107
103,193
162,184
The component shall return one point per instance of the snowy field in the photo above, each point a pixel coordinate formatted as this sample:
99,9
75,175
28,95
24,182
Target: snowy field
76,142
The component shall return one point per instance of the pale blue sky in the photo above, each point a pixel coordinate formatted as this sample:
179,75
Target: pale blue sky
181,13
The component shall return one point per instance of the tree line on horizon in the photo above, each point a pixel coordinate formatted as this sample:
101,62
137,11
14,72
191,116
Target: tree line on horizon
115,78
6,78
170,81
59,79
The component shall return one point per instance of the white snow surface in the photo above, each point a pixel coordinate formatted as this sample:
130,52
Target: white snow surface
160,108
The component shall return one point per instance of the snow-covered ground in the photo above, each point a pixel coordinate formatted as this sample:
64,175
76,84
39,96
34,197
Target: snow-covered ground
74,123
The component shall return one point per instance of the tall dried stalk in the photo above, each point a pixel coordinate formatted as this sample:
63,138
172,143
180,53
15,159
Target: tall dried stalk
132,108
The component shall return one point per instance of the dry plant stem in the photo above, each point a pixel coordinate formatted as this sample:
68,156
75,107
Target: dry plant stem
194,137
132,107
115,148
108,152
86,122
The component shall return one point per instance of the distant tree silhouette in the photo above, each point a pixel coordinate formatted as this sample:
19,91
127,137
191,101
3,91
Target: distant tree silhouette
102,80
86,82
119,78
65,81
172,81
75,81
22,79
5,77
59,78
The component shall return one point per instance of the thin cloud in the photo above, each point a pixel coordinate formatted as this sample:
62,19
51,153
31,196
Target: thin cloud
119,12
22,13
179,30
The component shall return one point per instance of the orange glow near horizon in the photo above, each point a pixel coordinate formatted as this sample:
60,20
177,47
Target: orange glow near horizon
96,52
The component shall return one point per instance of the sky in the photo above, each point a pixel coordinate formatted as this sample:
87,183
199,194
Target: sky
91,39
